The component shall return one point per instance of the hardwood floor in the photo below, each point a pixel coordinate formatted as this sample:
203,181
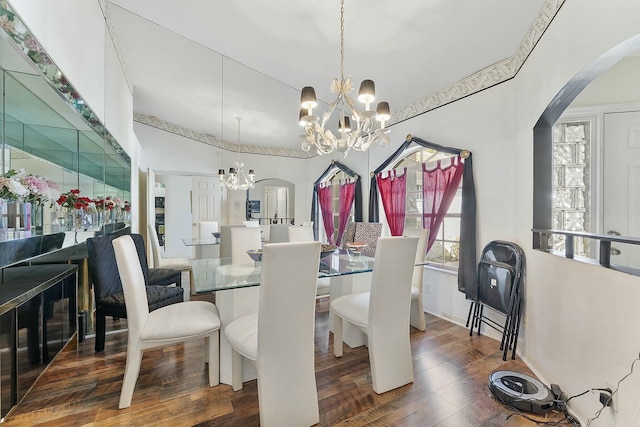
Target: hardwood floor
451,371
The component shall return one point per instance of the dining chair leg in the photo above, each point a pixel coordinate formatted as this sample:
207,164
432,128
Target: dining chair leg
337,334
212,344
131,372
417,319
236,370
391,365
101,327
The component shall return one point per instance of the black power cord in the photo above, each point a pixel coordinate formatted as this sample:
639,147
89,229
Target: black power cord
607,402
562,403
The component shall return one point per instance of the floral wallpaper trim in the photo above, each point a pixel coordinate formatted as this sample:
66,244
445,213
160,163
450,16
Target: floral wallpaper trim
490,76
22,38
216,142
493,75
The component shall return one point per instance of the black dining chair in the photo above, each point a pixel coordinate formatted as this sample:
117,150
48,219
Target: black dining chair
107,286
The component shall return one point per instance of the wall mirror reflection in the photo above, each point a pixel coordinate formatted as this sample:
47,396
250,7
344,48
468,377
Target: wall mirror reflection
271,201
596,164
45,137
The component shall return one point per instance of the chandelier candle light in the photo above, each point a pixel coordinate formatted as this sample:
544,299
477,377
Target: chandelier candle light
232,180
357,129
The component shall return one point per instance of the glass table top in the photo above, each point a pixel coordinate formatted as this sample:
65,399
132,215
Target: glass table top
217,274
194,241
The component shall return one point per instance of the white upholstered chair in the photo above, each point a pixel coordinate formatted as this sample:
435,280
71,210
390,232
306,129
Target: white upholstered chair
207,228
165,325
383,314
300,234
225,240
243,239
278,233
305,234
417,319
280,337
174,263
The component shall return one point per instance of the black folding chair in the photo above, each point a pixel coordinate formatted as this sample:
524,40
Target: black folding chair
500,282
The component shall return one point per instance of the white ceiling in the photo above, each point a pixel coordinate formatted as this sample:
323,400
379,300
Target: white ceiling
198,63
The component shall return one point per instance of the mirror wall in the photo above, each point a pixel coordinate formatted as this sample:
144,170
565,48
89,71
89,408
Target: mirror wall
45,136
271,201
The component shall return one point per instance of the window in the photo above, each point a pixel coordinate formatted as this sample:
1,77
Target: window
335,179
445,250
572,182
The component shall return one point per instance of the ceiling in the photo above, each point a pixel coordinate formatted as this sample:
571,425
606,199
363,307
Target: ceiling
200,64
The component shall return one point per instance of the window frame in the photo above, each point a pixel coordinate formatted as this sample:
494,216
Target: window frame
434,155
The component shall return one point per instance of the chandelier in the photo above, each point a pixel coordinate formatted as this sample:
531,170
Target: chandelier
237,179
357,130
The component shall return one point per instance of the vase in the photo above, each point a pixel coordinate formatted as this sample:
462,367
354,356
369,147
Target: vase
37,221
3,219
118,215
74,219
101,220
18,216
90,217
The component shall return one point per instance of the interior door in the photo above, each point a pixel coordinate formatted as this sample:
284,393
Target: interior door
621,169
206,202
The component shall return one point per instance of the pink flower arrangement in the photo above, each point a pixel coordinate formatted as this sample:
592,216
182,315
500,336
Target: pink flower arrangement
110,202
41,190
20,186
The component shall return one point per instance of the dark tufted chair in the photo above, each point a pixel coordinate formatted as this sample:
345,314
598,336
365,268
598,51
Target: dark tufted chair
107,286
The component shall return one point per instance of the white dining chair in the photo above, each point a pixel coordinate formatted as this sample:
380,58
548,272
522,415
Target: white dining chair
280,337
278,233
416,318
243,239
305,234
225,240
383,314
300,234
207,228
174,263
165,325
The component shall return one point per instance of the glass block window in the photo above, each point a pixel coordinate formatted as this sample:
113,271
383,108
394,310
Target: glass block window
571,182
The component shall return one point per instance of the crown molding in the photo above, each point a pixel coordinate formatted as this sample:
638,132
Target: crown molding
216,142
493,75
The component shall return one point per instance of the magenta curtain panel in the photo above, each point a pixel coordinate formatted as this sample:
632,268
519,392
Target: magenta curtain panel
347,193
393,192
439,186
325,196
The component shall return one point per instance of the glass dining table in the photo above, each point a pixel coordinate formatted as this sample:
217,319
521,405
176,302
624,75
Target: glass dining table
200,241
237,291
219,274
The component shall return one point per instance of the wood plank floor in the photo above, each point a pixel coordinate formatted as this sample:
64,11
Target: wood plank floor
82,388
